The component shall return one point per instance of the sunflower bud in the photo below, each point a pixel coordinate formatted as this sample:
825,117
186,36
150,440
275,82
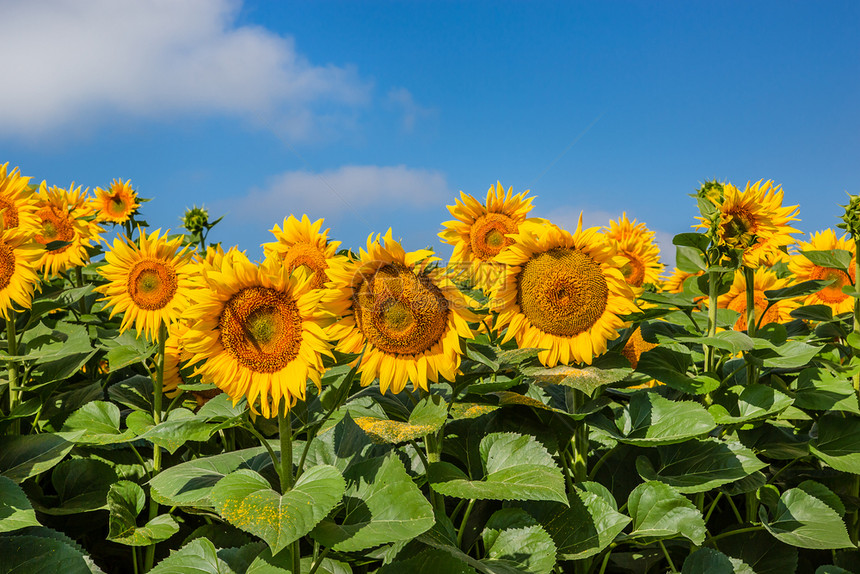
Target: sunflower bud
851,219
196,220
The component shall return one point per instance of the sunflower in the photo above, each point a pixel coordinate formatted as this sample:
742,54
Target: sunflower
635,242
481,231
675,282
19,255
151,283
115,204
407,315
563,293
764,280
258,332
804,270
753,221
16,200
302,244
64,218
174,355
632,351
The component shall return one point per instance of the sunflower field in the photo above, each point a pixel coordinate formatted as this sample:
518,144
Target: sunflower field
549,401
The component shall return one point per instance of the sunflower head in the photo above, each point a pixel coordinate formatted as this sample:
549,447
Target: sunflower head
258,332
408,313
635,242
764,280
66,227
563,293
481,231
302,244
16,199
19,256
150,282
804,270
115,204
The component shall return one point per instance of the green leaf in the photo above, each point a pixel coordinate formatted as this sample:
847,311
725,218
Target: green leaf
197,557
813,313
689,259
16,512
659,511
713,562
670,367
761,553
732,341
29,554
82,485
801,289
791,355
96,423
127,349
802,519
190,483
427,417
586,379
838,442
432,561
125,501
816,389
513,539
135,393
589,525
370,517
700,465
740,404
651,420
24,456
832,258
180,427
698,241
517,467
246,500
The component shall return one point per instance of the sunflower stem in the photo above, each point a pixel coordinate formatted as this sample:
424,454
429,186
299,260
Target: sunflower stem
157,393
579,442
14,391
285,433
710,352
463,522
79,281
854,486
749,276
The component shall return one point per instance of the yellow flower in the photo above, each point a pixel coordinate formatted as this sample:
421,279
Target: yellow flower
302,244
19,255
764,280
754,221
675,282
805,270
16,200
150,283
174,354
115,204
64,216
563,293
480,231
632,351
636,243
258,332
408,314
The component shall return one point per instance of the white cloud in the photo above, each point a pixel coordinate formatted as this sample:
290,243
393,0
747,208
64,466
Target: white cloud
352,189
412,111
73,63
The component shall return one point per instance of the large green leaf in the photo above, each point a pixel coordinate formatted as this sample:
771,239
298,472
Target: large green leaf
81,484
343,445
760,553
838,442
371,517
189,483
732,341
432,561
29,554
699,465
135,393
817,389
710,561
798,290
802,518
740,404
246,500
180,427
16,512
23,456
517,467
197,557
586,379
589,525
125,502
513,539
831,258
651,420
659,511
99,423
427,417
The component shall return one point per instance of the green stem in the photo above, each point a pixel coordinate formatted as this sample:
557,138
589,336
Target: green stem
158,388
856,310
568,480
606,559
713,539
710,352
752,507
579,442
463,523
285,433
713,506
593,472
79,281
735,510
14,392
318,561
134,559
749,276
432,447
275,461
668,558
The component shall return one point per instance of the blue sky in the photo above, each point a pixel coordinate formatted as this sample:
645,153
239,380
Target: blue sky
376,114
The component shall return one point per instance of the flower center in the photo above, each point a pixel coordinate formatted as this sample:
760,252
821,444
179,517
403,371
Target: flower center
633,270
739,230
832,293
10,213
151,284
309,257
739,304
487,235
261,328
562,292
56,226
117,206
7,265
399,312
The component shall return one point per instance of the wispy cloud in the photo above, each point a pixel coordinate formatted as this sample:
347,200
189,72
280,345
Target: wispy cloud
352,189
402,99
80,63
